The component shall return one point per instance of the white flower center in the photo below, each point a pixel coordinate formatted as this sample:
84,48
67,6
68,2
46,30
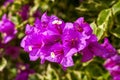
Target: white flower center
30,48
52,54
4,34
57,22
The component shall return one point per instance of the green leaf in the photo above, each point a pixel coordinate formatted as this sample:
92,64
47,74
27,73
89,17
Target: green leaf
92,71
15,19
103,16
104,22
100,33
34,77
94,27
51,74
116,8
104,19
97,31
3,63
116,32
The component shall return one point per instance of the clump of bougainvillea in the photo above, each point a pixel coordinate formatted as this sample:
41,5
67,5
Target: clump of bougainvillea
51,39
113,66
7,29
56,41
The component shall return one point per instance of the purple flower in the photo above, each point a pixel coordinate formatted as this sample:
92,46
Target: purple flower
12,51
56,25
56,41
42,40
87,40
7,28
57,54
113,61
112,65
105,50
23,72
42,24
82,26
37,14
109,48
24,12
90,50
73,41
50,23
32,43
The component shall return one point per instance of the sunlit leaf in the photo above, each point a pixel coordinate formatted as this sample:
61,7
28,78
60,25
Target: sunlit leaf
116,8
3,63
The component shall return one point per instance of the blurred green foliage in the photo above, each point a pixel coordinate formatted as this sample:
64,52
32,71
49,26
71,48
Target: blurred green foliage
104,17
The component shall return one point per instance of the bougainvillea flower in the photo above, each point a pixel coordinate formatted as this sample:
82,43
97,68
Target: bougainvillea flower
111,51
112,65
113,61
56,25
51,23
73,41
49,40
87,39
53,40
37,14
93,49
56,54
32,43
116,77
53,53
24,12
7,29
115,72
12,51
82,26
23,72
88,52
105,50
31,30
43,23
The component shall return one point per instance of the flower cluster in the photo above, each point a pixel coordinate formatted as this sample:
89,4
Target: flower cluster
112,64
51,39
7,29
104,50
54,40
